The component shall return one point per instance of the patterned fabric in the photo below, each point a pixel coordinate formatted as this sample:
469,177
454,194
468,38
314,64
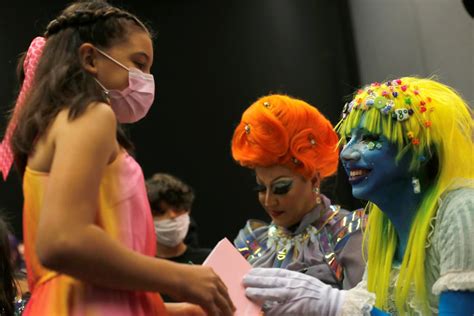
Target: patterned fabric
20,305
449,263
453,242
124,214
29,66
317,247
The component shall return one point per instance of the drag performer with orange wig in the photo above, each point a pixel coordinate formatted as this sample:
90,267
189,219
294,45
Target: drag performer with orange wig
292,147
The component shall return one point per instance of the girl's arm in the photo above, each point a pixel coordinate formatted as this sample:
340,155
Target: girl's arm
69,242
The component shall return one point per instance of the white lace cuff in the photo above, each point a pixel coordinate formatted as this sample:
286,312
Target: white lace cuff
357,301
454,281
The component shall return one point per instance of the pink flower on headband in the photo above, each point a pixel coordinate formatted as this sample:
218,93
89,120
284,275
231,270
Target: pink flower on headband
29,66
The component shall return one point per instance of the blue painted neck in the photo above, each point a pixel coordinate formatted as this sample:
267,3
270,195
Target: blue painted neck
398,201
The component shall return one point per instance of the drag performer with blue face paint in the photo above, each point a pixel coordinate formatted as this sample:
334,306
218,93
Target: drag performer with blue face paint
408,150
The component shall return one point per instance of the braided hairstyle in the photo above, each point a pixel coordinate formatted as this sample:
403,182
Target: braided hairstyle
76,17
60,81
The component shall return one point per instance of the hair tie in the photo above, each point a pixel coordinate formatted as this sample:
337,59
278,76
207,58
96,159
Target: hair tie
29,67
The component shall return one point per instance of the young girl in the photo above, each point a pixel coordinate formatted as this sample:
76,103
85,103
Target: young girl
88,230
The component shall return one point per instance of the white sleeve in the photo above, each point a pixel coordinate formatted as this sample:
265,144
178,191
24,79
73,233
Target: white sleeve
455,242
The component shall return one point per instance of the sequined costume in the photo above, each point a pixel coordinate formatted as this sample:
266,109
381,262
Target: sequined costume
123,213
326,244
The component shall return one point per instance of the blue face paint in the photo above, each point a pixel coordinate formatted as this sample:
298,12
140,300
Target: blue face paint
377,176
370,162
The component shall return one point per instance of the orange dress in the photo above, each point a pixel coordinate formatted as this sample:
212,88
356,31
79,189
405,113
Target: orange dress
124,214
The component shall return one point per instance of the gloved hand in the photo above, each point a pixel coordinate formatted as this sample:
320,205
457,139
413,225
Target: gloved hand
286,292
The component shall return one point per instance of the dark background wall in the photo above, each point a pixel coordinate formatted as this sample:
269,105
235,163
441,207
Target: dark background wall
212,60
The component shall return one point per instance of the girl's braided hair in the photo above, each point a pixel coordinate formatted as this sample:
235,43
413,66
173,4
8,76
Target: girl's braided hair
82,17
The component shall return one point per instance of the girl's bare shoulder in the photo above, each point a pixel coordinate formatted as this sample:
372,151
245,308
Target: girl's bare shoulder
95,113
96,125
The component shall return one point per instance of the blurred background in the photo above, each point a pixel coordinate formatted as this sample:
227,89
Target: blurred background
214,58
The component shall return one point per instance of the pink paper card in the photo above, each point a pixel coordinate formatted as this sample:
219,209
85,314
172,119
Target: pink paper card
231,267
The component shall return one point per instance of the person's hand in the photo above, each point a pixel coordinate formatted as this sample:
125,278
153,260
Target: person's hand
202,286
285,292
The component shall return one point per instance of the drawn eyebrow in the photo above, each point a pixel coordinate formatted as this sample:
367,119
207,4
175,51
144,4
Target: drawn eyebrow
279,178
274,180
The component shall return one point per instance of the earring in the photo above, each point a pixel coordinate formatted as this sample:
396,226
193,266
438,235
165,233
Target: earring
415,182
318,195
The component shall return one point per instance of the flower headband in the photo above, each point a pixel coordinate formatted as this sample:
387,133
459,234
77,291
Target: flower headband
382,96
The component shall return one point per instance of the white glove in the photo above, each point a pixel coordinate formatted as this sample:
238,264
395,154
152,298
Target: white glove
286,292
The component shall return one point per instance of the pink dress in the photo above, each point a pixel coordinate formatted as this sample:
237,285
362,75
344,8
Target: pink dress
124,214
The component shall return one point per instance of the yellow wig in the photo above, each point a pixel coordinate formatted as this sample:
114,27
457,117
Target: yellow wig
432,121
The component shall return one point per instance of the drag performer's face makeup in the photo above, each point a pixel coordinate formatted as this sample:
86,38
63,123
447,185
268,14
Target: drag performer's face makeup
370,162
285,195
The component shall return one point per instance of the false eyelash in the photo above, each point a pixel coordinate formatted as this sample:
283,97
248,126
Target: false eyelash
281,189
259,188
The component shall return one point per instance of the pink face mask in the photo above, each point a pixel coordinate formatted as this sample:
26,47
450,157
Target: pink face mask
131,104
